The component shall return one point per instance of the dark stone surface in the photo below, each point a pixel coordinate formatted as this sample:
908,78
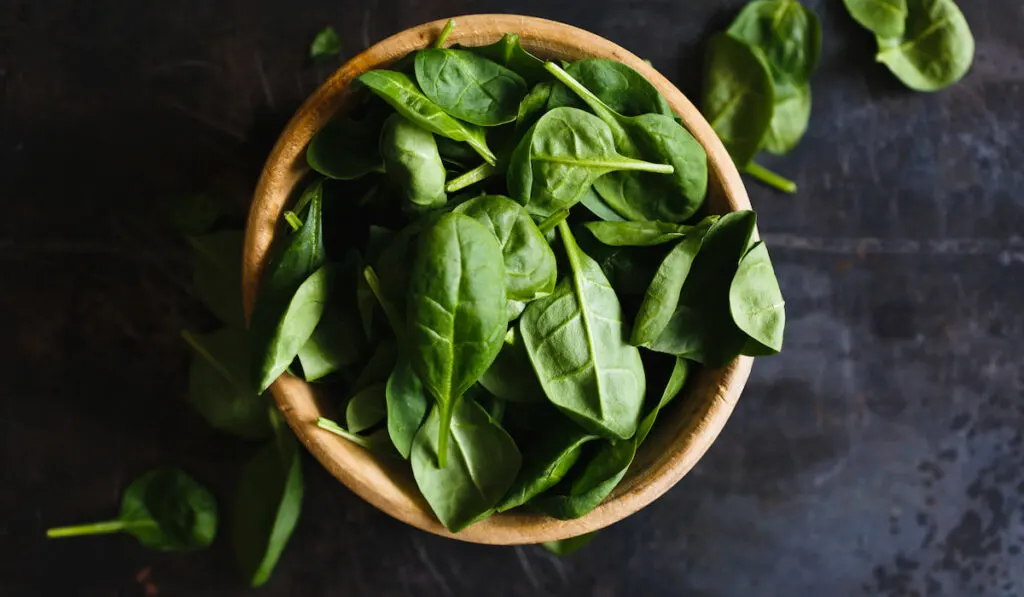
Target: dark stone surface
879,455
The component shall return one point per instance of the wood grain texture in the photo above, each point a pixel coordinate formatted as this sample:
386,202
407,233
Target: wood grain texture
682,435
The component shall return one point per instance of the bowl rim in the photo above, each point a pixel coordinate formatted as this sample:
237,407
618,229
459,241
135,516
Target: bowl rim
364,474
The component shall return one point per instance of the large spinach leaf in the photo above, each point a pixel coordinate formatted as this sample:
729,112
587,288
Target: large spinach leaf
398,90
470,87
576,339
456,312
481,464
738,96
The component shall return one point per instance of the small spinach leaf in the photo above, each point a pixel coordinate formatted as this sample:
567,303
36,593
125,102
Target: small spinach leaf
508,52
546,463
326,44
412,163
642,234
884,18
469,87
618,86
755,300
511,376
787,34
481,464
576,340
936,48
456,312
398,90
165,509
367,408
346,149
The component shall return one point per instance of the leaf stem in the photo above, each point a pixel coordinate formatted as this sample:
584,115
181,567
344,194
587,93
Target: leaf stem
95,528
600,108
631,164
443,431
329,425
373,281
549,223
481,172
443,37
770,178
293,220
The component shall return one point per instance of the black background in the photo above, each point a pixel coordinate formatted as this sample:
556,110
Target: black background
879,454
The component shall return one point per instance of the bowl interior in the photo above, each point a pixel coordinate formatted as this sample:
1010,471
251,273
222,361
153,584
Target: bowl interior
683,432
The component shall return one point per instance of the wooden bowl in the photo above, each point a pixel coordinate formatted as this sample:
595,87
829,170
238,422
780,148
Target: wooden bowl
683,433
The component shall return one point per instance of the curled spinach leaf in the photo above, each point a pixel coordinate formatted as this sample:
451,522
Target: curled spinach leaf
456,311
576,340
412,162
530,268
481,464
469,87
936,48
755,300
561,156
346,148
564,547
642,234
550,458
165,509
398,90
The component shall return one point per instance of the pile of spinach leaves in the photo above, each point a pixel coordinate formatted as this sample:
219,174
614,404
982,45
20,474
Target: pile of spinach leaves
504,269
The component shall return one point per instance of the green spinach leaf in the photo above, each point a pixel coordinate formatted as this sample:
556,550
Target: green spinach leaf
456,310
326,44
643,234
546,463
165,509
346,149
412,163
398,90
786,33
568,546
936,48
511,376
367,408
508,52
755,300
469,87
576,340
884,18
618,86
738,96
481,464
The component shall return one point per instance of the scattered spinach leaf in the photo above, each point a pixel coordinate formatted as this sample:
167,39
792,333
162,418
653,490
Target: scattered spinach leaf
568,546
935,50
326,44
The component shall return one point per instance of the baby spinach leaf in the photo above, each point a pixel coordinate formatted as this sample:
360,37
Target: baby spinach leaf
662,295
738,96
936,48
456,310
326,44
530,268
561,156
546,463
755,300
469,87
367,408
791,114
481,464
616,85
378,367
599,207
701,328
884,18
576,340
642,234
533,106
337,342
398,90
346,148
165,509
511,376
217,259
267,505
564,547
786,33
412,163
302,256
509,53
218,385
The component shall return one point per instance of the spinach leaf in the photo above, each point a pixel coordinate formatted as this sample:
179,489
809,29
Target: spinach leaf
546,463
377,441
218,385
509,53
165,509
561,156
618,86
599,207
564,547
458,154
217,259
884,18
469,87
456,311
936,48
412,163
790,116
576,340
656,138
533,106
346,148
642,234
530,268
267,504
662,295
367,408
511,376
380,365
786,33
738,96
338,340
481,464
609,465
398,90
303,255
755,300
326,44
701,328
